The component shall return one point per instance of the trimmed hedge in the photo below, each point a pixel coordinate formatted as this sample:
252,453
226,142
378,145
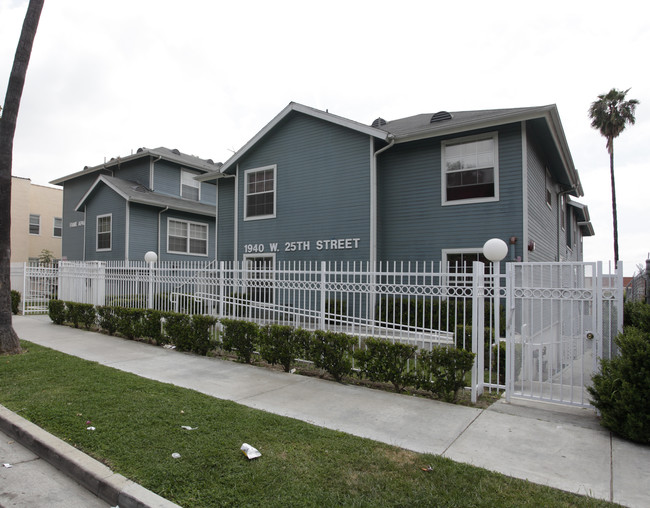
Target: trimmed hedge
280,344
442,371
240,336
386,362
332,352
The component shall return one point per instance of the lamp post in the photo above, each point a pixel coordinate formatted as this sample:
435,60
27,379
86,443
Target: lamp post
495,250
150,257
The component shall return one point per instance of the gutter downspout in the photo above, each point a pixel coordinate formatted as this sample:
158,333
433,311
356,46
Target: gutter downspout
159,216
373,197
151,170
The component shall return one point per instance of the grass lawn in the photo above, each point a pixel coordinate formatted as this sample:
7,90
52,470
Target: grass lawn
138,425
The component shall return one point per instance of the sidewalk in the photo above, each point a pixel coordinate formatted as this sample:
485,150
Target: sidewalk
563,447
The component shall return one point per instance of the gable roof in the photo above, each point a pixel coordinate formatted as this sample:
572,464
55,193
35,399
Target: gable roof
306,110
421,126
189,161
134,192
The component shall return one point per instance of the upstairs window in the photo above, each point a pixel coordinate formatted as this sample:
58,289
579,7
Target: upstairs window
190,188
57,231
34,224
104,232
259,199
470,169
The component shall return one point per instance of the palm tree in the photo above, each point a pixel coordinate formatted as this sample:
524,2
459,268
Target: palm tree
610,114
9,342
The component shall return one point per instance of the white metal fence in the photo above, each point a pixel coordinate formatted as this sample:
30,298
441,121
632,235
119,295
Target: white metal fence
551,308
562,319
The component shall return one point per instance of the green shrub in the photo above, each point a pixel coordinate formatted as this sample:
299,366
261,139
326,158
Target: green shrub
386,362
280,344
621,390
442,371
129,321
87,314
15,301
637,314
73,313
151,326
202,333
332,352
178,330
57,311
106,319
240,336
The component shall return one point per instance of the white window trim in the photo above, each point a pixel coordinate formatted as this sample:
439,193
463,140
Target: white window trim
464,250
54,227
443,180
274,167
188,222
29,225
260,255
110,232
190,181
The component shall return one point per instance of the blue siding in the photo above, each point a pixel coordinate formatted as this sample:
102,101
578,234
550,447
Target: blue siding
226,214
143,231
73,236
323,190
135,171
167,180
413,224
105,201
542,220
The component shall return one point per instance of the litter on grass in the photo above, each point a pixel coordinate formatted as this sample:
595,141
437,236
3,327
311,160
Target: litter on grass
427,469
249,451
169,346
6,465
186,427
176,455
90,428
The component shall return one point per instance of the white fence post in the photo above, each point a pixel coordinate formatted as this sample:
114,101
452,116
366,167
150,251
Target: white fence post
478,328
323,306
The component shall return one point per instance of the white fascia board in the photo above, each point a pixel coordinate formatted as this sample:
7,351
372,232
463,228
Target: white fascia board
294,106
100,179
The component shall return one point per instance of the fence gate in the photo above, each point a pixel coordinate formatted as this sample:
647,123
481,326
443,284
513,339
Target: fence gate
561,319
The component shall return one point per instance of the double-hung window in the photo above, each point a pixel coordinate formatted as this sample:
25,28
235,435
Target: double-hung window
104,232
190,188
470,170
184,237
259,198
57,230
34,224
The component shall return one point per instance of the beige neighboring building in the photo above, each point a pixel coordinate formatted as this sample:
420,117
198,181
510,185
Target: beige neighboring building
36,220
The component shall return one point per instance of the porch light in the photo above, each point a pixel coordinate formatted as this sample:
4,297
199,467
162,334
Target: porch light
495,249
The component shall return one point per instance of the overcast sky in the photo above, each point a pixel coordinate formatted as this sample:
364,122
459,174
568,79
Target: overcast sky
108,77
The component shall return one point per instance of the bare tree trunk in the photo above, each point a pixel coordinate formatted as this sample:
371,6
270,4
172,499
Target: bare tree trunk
611,170
9,342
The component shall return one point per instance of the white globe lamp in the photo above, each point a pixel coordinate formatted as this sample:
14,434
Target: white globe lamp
495,249
151,257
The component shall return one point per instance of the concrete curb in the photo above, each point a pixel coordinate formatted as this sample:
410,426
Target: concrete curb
97,478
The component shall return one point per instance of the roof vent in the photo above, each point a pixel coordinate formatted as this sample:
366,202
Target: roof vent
175,150
379,122
140,150
440,116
